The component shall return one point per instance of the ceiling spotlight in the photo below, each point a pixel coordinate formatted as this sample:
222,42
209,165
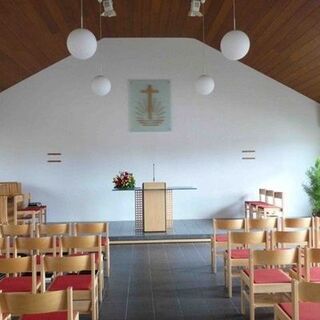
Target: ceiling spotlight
108,8
195,8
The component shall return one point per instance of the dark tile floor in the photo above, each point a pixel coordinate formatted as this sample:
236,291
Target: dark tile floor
168,281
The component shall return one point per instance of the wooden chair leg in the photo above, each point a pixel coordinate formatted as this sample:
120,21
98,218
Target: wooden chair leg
108,260
213,257
243,307
251,305
229,275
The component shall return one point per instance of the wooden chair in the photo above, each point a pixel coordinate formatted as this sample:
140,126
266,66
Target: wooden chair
274,206
288,224
22,213
305,303
240,257
84,245
250,205
55,305
96,228
220,240
281,239
15,283
261,286
85,286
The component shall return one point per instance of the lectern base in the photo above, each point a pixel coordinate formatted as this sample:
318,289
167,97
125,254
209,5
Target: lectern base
139,209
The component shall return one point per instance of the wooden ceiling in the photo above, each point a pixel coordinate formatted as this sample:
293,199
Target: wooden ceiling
284,34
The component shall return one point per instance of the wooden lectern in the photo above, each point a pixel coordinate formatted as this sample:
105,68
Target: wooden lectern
154,206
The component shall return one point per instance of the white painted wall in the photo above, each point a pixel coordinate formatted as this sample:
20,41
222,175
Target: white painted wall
55,111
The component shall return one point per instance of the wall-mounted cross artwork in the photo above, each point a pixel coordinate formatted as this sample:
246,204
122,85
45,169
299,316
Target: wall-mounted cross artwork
149,105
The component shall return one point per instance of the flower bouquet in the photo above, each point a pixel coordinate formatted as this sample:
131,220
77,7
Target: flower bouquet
124,180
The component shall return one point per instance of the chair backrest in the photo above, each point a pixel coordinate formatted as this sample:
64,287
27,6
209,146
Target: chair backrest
296,237
297,223
270,196
262,195
35,245
53,229
91,228
248,238
278,199
274,257
303,292
20,230
227,224
311,257
75,244
26,303
269,223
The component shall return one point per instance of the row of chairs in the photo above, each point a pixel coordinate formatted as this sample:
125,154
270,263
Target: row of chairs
80,272
267,279
221,226
239,245
259,251
62,230
270,203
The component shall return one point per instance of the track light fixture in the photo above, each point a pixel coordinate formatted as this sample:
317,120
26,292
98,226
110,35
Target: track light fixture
195,8
108,8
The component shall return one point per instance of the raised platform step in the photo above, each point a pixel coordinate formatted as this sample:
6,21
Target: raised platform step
182,231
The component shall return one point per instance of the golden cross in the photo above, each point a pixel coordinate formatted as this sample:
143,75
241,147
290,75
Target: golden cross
149,91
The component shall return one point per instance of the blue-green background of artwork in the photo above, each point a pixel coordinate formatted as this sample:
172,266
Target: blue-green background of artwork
136,96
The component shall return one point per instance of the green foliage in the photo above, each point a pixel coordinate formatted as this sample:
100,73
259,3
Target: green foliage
313,187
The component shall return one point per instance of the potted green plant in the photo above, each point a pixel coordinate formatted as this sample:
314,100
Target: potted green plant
313,187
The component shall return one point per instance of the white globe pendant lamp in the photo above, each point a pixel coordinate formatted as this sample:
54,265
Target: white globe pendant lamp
81,42
204,84
101,85
235,44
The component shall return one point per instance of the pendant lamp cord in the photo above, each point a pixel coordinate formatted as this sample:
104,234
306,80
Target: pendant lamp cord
204,44
100,34
81,19
234,14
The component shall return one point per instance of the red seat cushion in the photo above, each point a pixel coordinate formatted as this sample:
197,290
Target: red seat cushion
314,273
77,282
255,203
32,208
307,310
60,315
240,253
269,276
221,237
16,284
